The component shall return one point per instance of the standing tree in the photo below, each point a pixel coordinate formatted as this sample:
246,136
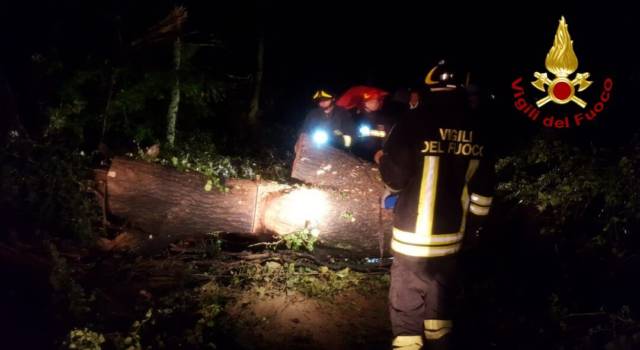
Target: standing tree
172,113
254,106
179,15
170,28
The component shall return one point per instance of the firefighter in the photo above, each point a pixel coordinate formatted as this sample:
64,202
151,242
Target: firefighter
438,163
328,123
373,124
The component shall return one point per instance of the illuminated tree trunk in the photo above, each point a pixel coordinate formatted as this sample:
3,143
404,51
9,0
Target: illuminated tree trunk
170,28
170,205
172,114
331,167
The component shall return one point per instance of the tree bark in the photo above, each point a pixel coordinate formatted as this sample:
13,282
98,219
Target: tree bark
331,167
164,201
107,107
351,221
254,106
172,114
171,205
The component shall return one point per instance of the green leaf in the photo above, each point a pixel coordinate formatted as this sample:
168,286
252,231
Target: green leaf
343,273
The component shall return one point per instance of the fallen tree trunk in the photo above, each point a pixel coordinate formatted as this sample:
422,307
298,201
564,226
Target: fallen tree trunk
331,167
162,200
172,205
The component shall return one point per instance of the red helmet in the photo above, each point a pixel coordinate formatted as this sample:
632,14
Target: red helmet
356,95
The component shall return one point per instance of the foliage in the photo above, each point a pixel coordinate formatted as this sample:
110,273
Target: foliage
210,306
45,186
212,245
71,293
85,339
303,239
125,98
273,278
199,154
596,188
133,339
563,238
297,240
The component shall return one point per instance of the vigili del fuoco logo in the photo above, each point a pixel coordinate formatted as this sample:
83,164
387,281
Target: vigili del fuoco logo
558,101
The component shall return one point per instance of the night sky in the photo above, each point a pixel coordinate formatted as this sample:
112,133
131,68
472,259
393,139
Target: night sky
331,44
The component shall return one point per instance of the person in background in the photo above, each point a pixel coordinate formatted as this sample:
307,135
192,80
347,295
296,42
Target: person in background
414,100
372,124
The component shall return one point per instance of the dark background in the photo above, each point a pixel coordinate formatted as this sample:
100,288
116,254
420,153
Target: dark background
331,44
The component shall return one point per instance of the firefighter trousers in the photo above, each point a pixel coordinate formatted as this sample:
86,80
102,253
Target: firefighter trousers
421,300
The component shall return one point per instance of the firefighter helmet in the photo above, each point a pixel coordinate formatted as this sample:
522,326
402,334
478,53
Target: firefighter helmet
444,74
357,95
322,94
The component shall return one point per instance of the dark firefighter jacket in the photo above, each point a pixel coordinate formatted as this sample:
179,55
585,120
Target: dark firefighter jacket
366,146
338,123
439,164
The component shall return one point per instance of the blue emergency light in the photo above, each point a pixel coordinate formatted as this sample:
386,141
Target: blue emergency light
320,137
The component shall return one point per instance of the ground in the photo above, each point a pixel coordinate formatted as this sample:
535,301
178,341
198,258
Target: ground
195,296
350,321
182,299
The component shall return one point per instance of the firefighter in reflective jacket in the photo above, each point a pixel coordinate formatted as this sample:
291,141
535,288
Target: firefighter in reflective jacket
437,162
328,123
